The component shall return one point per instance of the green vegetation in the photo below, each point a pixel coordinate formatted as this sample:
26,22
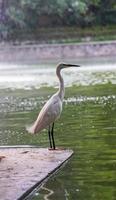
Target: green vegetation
32,20
67,34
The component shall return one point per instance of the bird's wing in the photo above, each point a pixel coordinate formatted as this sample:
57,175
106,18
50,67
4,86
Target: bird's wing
49,113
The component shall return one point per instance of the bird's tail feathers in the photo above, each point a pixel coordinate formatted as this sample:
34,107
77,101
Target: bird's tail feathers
30,129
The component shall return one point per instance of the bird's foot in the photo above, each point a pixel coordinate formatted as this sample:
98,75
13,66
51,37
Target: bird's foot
57,149
51,149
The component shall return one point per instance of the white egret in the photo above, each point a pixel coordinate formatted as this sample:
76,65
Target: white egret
51,110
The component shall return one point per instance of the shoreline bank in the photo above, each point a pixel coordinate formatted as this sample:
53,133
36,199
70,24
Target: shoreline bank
25,52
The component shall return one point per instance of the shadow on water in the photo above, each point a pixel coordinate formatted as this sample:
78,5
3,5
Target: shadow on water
87,125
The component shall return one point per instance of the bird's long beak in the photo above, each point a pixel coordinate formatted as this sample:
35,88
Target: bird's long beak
71,65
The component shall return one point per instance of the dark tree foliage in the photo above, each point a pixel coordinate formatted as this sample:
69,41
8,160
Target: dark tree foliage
24,16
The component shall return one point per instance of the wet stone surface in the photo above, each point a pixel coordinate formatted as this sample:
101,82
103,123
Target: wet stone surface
22,168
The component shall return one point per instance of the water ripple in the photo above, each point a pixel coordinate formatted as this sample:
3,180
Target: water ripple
14,104
98,99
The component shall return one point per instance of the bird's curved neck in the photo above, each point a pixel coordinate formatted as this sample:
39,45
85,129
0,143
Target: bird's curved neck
61,81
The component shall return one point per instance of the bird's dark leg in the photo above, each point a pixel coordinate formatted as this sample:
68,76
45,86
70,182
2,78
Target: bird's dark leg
52,135
49,134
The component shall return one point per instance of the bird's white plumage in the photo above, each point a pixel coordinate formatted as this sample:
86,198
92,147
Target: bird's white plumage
49,113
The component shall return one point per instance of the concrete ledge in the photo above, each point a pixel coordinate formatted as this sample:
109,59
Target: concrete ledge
23,168
34,53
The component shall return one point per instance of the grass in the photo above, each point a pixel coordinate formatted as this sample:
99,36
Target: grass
55,35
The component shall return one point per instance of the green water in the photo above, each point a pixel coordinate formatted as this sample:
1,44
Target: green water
87,125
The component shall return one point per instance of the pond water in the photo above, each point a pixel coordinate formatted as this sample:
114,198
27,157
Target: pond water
87,124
